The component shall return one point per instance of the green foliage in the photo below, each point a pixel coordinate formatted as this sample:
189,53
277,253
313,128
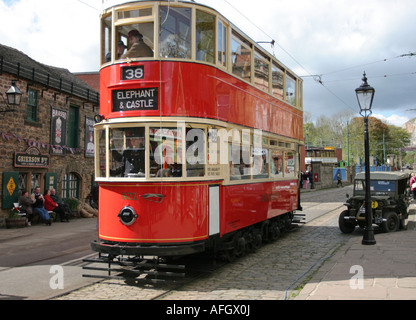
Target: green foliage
347,132
72,203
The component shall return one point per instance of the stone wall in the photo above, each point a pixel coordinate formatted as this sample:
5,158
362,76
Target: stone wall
18,134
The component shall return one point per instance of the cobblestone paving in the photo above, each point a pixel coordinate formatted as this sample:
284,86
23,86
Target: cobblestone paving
272,273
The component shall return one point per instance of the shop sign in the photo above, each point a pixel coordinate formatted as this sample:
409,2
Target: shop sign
31,158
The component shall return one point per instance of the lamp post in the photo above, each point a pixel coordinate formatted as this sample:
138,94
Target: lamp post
365,95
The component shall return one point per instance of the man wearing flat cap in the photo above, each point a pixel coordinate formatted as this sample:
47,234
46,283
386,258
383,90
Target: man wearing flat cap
137,47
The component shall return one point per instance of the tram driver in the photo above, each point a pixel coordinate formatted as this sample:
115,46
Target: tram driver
132,158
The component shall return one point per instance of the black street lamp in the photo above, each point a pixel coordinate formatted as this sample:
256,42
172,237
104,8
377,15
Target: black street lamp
365,95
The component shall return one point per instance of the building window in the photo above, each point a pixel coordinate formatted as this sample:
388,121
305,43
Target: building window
73,127
32,105
70,186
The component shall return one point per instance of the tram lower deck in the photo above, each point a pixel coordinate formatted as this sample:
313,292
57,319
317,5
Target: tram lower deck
181,217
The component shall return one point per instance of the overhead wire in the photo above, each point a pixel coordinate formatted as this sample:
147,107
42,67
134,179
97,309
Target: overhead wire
87,4
318,78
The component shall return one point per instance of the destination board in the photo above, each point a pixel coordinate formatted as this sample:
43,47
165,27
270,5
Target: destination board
135,99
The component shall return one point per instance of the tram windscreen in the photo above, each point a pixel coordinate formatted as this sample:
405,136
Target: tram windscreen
165,152
127,152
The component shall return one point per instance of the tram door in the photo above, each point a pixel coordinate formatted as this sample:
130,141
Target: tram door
214,210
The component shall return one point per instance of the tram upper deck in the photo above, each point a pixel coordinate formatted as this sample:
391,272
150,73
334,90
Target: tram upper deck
192,63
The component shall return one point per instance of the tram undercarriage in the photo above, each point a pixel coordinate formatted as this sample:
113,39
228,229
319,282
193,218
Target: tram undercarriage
134,258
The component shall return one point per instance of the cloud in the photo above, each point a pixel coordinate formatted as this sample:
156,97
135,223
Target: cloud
62,33
394,119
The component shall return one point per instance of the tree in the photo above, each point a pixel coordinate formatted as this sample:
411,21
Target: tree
332,131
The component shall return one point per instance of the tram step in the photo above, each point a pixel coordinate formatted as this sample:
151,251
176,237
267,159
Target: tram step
298,217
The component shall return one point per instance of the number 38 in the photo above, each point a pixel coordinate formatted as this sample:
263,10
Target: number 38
136,73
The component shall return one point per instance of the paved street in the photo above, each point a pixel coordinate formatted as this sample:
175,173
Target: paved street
27,255
273,272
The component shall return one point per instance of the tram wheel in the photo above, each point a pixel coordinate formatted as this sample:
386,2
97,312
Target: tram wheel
240,246
257,240
274,232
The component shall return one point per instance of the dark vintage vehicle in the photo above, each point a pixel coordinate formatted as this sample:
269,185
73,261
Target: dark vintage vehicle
390,197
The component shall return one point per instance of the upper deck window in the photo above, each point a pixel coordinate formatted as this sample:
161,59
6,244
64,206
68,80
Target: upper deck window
241,57
261,71
222,43
106,34
175,32
205,32
135,41
290,90
277,81
135,13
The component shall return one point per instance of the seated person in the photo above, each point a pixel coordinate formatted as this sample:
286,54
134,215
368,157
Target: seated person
120,50
137,47
26,205
60,202
39,207
50,205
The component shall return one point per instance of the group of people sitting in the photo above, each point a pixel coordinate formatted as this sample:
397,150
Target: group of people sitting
43,204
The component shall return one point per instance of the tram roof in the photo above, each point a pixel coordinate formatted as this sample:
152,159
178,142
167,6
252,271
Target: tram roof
111,3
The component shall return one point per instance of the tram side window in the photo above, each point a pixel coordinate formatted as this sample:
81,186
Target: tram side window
205,36
290,90
175,32
165,152
239,160
290,164
106,39
260,163
221,43
276,164
261,72
101,153
277,81
195,152
241,58
143,12
127,152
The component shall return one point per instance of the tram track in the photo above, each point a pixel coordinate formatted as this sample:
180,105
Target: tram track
203,278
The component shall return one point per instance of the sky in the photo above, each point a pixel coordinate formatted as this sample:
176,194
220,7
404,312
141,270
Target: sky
329,43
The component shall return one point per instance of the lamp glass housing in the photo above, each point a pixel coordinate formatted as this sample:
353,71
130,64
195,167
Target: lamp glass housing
14,95
365,95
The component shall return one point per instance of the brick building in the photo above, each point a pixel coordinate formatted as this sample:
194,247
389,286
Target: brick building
47,140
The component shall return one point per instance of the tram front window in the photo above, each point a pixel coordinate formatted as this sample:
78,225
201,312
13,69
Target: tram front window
175,32
127,152
165,152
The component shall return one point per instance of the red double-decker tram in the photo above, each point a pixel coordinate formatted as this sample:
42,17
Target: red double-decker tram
197,145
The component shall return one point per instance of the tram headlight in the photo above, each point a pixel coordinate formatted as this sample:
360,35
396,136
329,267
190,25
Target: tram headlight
127,216
98,118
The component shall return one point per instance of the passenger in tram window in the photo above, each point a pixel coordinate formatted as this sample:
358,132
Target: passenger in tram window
277,164
235,173
137,47
121,47
132,159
